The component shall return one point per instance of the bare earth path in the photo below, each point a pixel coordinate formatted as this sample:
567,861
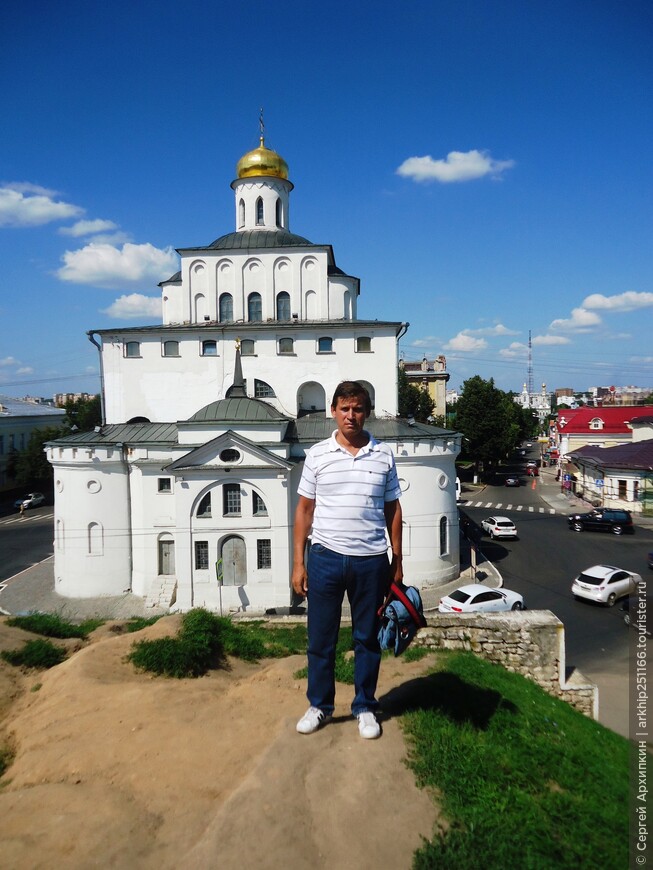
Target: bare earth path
118,769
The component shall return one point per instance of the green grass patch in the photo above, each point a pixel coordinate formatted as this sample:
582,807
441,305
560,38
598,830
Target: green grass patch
344,665
415,653
37,653
205,640
52,625
138,623
525,780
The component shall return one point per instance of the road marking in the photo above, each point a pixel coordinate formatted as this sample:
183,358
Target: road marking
519,507
508,507
499,505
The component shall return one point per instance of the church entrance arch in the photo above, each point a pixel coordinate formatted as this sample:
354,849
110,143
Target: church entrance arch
234,561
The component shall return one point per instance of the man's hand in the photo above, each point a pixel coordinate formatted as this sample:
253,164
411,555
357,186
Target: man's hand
396,572
299,580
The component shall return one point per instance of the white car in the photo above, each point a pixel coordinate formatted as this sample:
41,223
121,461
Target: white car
499,527
604,584
476,598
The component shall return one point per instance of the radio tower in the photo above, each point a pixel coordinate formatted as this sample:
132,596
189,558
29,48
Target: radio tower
530,365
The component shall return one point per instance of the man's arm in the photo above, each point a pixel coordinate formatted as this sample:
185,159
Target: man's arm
301,530
392,510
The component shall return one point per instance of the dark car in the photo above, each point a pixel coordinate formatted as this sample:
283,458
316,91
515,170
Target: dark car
603,520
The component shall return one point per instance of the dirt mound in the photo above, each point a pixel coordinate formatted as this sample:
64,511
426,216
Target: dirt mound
117,768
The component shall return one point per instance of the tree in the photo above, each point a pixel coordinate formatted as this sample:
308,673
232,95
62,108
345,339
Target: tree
491,422
413,402
30,466
86,414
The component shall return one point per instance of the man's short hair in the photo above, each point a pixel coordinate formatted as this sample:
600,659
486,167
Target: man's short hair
352,390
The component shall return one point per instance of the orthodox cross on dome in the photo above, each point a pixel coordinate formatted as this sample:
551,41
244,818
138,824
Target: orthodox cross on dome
261,123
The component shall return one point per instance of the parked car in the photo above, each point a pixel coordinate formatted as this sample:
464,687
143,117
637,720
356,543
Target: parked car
603,520
512,481
531,464
499,527
532,471
476,598
604,584
32,499
639,617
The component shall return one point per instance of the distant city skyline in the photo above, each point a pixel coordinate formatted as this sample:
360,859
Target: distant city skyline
482,169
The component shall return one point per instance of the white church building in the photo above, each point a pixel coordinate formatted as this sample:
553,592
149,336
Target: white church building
186,493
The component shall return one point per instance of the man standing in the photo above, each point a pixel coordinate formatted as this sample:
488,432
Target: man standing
348,497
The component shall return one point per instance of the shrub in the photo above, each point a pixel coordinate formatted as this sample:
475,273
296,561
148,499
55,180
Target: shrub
197,646
138,623
36,653
52,625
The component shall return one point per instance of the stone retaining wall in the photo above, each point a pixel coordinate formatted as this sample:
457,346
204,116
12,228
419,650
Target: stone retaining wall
530,642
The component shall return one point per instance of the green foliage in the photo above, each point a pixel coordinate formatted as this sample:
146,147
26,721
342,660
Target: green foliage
86,414
205,640
36,653
525,780
138,623
6,759
413,402
30,465
52,625
415,653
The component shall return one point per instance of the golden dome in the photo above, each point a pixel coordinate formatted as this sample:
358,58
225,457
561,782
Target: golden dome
262,161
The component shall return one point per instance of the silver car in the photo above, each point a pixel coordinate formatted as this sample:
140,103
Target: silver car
604,584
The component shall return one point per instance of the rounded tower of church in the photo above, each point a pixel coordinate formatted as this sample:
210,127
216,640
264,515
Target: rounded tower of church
262,190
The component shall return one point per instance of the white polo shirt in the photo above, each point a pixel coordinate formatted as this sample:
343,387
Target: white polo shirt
349,494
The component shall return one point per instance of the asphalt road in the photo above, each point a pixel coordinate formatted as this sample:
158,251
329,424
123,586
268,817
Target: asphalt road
25,541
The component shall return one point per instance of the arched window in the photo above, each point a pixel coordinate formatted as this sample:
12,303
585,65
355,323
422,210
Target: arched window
263,390
209,347
171,348
258,505
204,507
363,344
444,544
226,308
286,345
247,347
283,306
325,345
259,212
241,213
95,542
279,213
254,307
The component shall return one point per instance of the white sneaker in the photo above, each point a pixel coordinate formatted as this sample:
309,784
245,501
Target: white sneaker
312,719
368,727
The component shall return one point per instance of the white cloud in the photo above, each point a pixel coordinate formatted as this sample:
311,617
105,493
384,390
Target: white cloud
550,339
581,320
88,228
499,329
26,205
25,370
103,265
133,306
641,359
516,349
458,166
465,343
429,341
9,361
629,301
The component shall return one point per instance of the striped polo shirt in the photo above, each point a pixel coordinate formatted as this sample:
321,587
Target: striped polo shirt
349,494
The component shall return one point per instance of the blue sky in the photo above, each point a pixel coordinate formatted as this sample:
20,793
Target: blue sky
484,167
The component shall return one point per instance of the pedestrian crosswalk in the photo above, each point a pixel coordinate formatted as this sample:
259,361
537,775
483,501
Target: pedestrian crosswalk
508,507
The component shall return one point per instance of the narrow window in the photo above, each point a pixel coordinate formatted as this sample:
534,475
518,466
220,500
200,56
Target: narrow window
259,212
226,308
324,345
241,213
623,489
286,345
283,306
254,307
164,484
94,539
258,506
209,348
231,500
247,347
204,508
133,348
279,213
201,555
264,553
443,536
171,348
363,344
263,390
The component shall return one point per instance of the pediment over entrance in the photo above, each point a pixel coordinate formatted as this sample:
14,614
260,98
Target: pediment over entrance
227,451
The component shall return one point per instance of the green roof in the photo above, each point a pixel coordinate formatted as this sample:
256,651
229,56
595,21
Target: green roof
238,410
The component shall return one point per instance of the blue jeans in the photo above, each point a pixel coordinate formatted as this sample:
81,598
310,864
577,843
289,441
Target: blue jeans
365,579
